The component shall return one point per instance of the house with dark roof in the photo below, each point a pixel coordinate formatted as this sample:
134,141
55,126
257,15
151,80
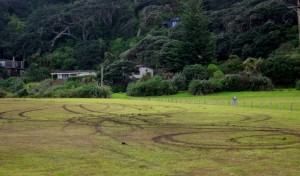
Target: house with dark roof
171,23
13,67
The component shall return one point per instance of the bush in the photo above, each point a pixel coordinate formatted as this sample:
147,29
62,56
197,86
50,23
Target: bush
101,92
179,81
233,65
153,87
218,74
201,87
39,90
83,79
260,83
196,71
21,93
2,93
12,84
217,83
84,91
211,69
237,82
118,89
298,85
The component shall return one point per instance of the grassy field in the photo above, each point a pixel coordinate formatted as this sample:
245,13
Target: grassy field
280,99
121,137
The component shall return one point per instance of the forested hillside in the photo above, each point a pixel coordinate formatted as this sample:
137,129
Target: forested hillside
82,34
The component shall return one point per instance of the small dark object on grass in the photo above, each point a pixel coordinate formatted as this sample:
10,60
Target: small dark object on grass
124,143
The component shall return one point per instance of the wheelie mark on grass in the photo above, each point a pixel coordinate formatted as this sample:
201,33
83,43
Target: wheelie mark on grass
233,142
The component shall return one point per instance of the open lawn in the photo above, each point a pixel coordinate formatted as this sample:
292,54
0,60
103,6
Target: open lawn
113,137
280,99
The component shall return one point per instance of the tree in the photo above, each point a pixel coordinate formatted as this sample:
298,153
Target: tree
196,33
89,54
118,72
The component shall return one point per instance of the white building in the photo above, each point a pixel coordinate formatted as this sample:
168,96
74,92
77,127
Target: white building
142,71
67,74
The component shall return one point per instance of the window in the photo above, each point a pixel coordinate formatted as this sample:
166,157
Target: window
65,75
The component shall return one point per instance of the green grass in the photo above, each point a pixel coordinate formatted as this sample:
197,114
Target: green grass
84,137
278,99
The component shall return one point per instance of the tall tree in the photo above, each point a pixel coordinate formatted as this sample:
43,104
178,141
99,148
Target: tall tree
195,32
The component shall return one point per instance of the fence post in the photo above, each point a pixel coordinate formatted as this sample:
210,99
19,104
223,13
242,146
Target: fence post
292,106
270,105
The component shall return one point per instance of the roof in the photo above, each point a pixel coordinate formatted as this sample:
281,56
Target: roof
72,71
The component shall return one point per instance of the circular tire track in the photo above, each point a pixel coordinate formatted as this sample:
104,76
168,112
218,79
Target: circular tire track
232,142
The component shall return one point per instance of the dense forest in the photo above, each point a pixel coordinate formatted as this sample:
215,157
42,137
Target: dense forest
238,37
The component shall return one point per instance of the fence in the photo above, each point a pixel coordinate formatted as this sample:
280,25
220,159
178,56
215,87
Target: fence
274,105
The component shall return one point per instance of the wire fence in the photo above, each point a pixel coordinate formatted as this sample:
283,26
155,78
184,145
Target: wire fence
273,105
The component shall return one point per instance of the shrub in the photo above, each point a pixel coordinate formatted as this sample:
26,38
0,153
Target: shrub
298,85
201,87
101,92
152,87
211,69
236,82
39,90
218,74
217,83
233,65
12,84
83,79
179,81
84,91
2,93
260,83
196,71
21,93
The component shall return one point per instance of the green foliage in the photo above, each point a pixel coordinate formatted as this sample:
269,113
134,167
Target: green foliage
21,93
260,83
211,69
217,83
12,84
195,31
201,87
152,87
39,90
236,82
117,74
196,71
101,92
3,73
2,93
218,74
243,82
298,85
252,65
87,79
249,29
36,73
233,65
89,54
62,59
282,67
179,81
